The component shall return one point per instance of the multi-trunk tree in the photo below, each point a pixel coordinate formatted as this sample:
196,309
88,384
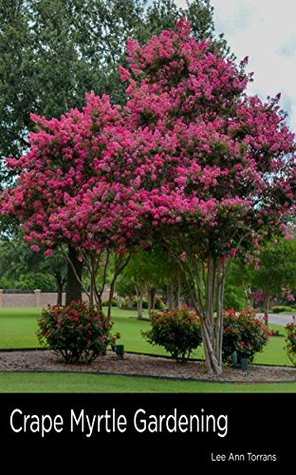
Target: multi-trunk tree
190,160
212,168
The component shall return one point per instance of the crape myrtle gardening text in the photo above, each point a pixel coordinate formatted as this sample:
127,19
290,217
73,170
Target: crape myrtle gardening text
111,421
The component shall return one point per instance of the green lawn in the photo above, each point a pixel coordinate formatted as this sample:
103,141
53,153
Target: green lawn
274,352
18,327
18,330
91,383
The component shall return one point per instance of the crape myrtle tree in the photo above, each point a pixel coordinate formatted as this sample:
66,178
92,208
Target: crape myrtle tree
190,159
212,168
62,196
53,51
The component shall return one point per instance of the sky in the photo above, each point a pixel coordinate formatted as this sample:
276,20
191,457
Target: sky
265,31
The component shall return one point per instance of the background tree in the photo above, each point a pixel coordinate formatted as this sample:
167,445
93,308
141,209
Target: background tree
237,286
276,273
141,277
151,272
29,270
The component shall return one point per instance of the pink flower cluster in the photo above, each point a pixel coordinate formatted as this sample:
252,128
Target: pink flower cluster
189,151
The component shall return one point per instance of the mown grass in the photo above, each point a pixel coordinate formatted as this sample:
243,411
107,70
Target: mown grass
18,330
93,383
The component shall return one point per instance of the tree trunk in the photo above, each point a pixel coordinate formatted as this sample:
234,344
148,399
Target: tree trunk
266,308
59,296
111,294
119,264
178,292
219,324
60,287
207,290
151,300
212,362
92,293
140,305
211,328
73,287
170,297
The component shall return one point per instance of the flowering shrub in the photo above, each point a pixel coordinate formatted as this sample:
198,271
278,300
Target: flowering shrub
77,332
243,333
291,341
177,330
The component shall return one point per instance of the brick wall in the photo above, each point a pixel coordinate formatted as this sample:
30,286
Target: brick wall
35,299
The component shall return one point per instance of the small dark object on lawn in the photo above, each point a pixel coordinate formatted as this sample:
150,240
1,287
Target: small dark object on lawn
119,349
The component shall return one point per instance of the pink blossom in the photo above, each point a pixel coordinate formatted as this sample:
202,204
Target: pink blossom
35,248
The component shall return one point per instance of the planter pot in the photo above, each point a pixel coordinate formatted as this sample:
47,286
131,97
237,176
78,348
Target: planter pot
119,350
234,359
244,364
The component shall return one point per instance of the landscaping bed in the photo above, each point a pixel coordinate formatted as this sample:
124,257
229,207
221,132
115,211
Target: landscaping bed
142,365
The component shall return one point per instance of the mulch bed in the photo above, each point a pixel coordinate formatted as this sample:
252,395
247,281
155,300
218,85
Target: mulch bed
141,365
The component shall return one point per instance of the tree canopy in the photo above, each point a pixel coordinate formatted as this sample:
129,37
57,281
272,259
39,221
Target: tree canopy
189,159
